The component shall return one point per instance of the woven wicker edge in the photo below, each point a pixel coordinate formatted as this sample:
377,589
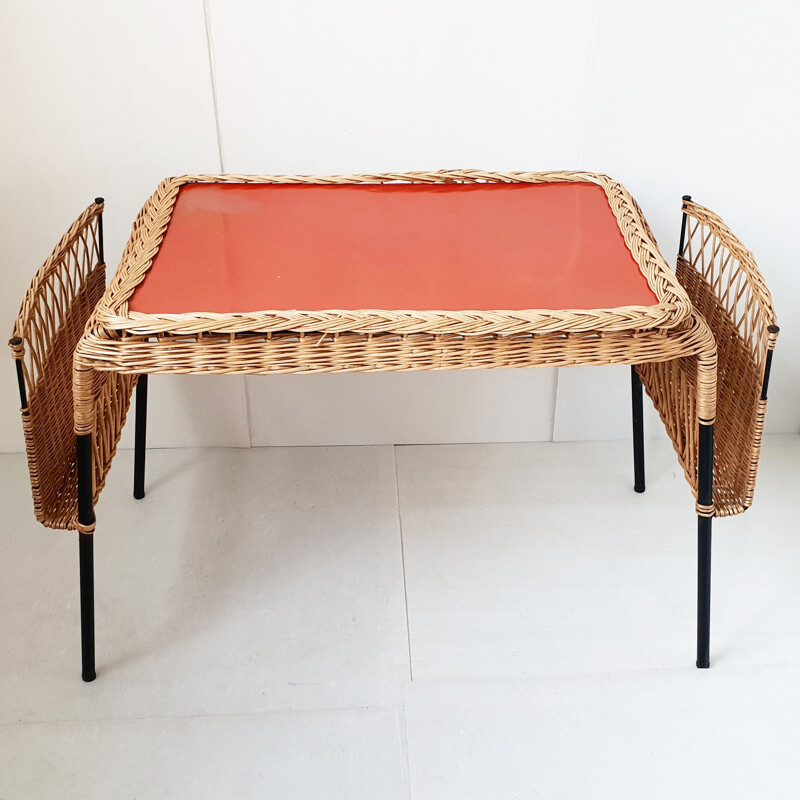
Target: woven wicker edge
673,305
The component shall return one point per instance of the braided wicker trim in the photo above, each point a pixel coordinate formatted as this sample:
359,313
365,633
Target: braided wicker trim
672,308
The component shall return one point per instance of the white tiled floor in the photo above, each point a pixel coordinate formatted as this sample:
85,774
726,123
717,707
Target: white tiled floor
466,621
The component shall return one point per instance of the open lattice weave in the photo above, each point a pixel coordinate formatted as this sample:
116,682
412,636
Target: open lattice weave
721,278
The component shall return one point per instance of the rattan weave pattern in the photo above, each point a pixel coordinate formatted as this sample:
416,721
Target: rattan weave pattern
275,342
289,352
722,279
51,320
674,349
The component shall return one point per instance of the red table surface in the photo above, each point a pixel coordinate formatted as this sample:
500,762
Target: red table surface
442,247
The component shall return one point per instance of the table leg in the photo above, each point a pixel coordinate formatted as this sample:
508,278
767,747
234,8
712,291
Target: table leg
140,443
638,431
86,549
704,498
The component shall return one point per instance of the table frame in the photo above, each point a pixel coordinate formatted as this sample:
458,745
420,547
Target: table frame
670,347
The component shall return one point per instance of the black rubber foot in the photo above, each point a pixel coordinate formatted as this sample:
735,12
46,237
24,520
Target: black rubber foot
89,676
702,665
639,489
138,494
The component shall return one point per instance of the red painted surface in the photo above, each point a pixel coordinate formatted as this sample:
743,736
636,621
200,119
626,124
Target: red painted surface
240,248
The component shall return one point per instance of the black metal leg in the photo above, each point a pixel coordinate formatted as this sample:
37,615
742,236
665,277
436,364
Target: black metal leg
703,591
86,548
86,544
140,444
704,497
638,431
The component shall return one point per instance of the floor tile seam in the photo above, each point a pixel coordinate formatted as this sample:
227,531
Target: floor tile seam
273,712
403,562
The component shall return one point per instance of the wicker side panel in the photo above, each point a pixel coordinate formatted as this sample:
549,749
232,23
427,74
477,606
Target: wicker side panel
111,398
672,386
724,284
60,300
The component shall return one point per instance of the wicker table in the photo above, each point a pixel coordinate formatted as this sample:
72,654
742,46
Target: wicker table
412,271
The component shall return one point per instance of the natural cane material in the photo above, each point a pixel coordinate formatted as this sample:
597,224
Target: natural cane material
671,341
721,278
672,308
62,296
306,341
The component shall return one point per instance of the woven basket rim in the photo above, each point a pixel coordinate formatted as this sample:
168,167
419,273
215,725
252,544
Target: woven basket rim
672,309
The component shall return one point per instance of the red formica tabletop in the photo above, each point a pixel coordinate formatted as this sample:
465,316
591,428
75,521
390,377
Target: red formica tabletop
233,248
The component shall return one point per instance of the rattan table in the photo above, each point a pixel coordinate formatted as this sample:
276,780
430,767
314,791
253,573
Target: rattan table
411,271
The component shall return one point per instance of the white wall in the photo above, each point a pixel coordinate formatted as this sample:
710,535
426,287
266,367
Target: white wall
107,98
